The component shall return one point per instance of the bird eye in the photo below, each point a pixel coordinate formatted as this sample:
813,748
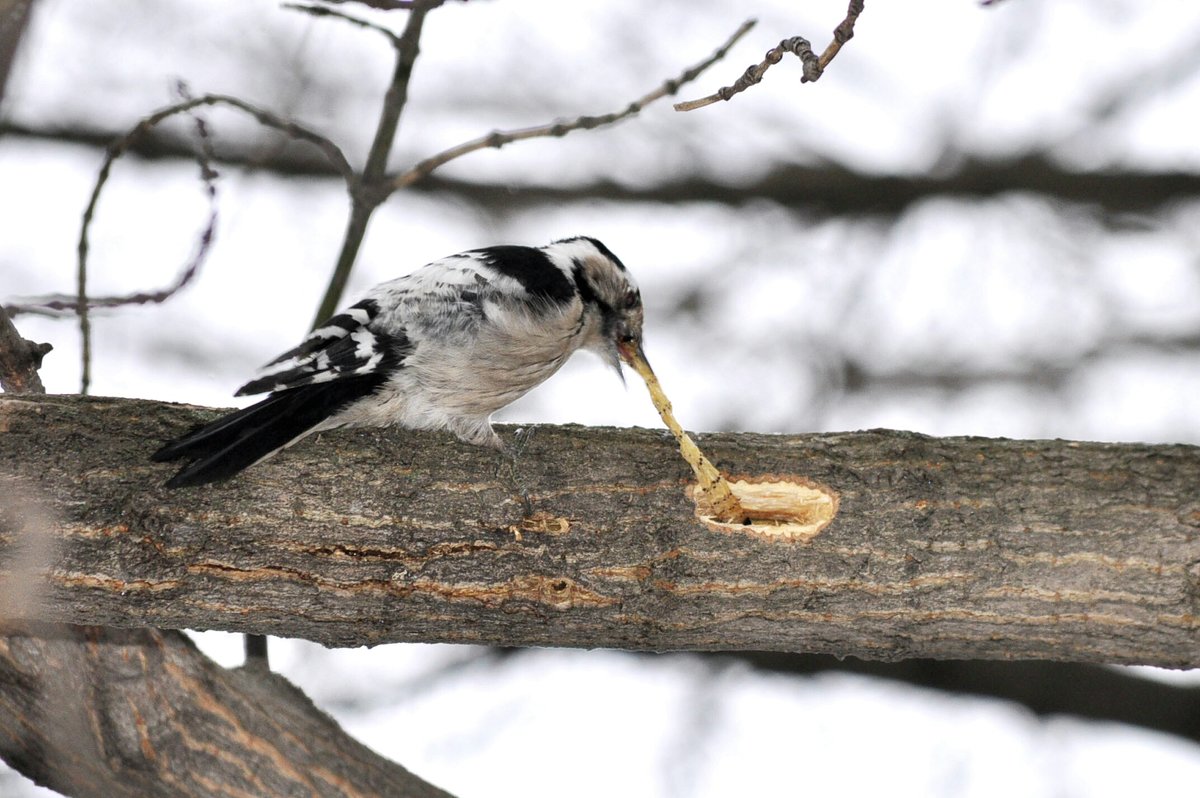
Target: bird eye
632,299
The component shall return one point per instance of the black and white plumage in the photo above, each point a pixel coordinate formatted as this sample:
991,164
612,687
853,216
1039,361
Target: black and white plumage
442,348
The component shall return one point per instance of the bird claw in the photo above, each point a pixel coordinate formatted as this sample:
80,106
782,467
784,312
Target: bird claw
509,455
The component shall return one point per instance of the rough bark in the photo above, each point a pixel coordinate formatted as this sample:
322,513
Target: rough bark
19,359
942,548
140,712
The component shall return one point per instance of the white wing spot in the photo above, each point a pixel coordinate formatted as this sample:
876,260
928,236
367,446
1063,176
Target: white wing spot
365,341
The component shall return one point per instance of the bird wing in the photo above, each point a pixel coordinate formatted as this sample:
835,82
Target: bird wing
350,344
446,300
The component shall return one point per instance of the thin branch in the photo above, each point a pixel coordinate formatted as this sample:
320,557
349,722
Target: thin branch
289,128
322,11
56,304
384,5
843,33
81,303
120,146
370,189
561,127
814,66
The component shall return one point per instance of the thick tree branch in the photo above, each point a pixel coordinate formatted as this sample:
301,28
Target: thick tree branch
827,188
136,712
942,548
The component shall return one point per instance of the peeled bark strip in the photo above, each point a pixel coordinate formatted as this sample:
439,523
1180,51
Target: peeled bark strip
139,712
960,548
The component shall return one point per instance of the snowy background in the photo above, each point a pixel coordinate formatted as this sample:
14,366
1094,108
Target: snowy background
1002,312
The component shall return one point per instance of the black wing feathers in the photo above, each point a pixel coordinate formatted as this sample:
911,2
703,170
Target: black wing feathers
340,362
226,446
344,346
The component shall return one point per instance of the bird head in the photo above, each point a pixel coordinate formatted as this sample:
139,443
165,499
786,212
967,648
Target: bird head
612,303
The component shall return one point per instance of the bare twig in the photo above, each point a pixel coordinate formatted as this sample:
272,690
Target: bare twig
323,11
561,127
383,5
373,187
19,360
62,304
82,303
120,146
81,307
370,189
814,66
126,713
843,33
289,128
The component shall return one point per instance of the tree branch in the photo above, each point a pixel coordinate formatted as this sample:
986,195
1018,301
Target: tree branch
117,148
80,303
942,548
814,65
370,189
561,127
113,713
826,188
1093,692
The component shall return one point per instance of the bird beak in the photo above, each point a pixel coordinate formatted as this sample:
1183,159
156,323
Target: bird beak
631,353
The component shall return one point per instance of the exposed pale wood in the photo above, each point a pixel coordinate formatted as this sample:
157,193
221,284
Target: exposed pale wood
948,548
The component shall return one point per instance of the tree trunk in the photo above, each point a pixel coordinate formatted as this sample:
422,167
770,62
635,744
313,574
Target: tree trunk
959,548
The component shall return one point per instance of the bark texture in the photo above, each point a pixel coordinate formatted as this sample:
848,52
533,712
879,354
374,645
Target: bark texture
944,548
139,712
19,359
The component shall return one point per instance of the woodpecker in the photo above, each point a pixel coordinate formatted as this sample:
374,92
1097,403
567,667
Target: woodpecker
442,348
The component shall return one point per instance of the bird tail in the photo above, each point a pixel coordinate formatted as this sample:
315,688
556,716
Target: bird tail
237,441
